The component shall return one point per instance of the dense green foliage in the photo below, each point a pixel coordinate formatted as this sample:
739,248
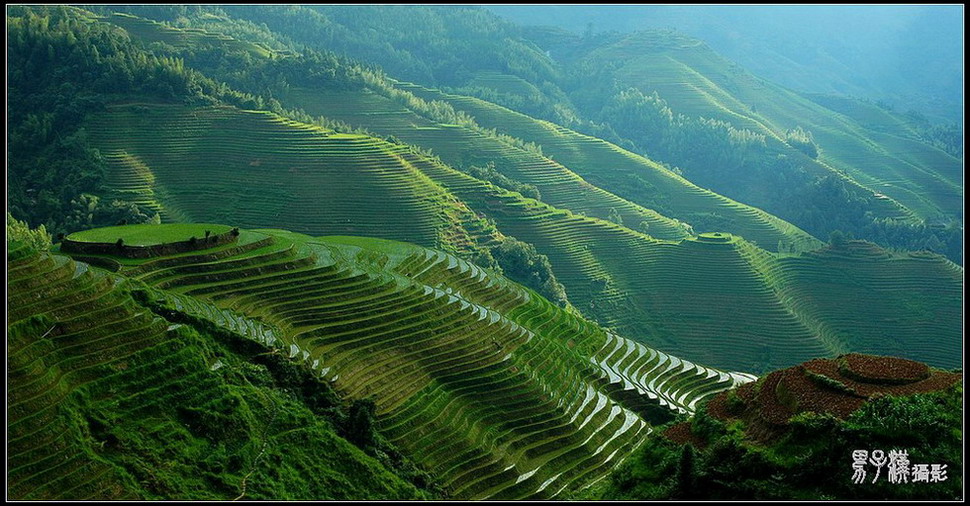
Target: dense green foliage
521,261
35,238
812,462
488,173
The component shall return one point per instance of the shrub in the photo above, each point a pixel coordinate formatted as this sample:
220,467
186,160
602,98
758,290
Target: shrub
36,238
803,141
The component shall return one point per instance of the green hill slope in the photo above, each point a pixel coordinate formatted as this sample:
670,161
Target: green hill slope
749,154
583,168
531,399
829,289
720,300
258,169
708,301
631,176
461,146
219,163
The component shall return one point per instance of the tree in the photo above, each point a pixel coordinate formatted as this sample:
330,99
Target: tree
522,263
37,238
686,478
615,217
360,423
838,239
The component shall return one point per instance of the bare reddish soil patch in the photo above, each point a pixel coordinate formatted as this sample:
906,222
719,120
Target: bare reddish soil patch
680,433
882,370
837,386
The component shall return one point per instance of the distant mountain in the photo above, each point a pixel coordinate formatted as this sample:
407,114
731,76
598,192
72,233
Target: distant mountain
909,56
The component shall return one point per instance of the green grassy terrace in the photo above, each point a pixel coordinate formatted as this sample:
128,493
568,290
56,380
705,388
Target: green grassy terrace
463,147
709,301
147,235
628,175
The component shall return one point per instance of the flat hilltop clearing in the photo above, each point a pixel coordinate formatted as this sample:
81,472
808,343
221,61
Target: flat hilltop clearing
148,235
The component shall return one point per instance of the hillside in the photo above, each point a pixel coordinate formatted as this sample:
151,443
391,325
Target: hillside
715,303
794,433
258,169
683,295
532,399
925,182
764,145
109,399
421,253
573,181
632,176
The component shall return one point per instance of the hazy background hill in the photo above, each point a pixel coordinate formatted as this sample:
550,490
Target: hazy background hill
909,56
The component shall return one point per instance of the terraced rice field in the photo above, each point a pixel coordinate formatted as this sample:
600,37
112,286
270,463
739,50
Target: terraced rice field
917,181
653,291
723,301
70,329
628,175
462,147
530,400
256,169
150,31
584,251
107,400
865,299
699,297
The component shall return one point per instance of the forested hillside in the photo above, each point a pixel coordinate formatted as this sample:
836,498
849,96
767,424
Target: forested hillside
764,158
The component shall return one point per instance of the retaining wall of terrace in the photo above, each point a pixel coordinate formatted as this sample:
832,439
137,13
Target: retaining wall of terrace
172,248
